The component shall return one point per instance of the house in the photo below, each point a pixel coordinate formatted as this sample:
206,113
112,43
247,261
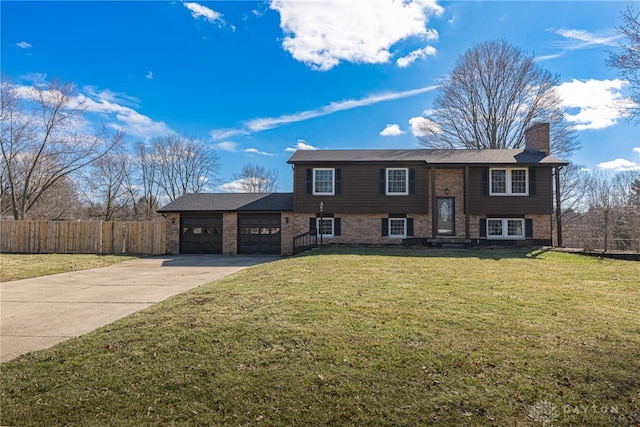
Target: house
417,196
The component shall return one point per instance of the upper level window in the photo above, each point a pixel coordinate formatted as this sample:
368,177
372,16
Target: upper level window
397,181
323,181
509,182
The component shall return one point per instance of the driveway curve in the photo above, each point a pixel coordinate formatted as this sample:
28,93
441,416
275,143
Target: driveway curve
40,312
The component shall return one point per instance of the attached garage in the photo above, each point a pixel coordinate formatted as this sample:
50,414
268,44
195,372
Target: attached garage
201,234
227,223
259,233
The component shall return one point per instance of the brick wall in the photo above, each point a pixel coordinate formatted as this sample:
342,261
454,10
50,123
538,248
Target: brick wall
288,231
541,226
450,183
355,229
173,233
230,233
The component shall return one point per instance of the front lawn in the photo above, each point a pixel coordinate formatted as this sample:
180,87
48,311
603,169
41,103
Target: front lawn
24,266
359,337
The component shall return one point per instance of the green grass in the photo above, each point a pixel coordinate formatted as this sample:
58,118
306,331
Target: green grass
25,266
358,337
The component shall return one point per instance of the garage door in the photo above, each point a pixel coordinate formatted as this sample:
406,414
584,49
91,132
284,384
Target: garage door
259,233
201,234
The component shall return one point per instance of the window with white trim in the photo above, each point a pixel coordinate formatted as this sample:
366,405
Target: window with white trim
509,182
505,228
397,181
398,227
324,226
323,181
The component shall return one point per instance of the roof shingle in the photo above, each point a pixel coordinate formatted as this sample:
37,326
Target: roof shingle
430,156
201,202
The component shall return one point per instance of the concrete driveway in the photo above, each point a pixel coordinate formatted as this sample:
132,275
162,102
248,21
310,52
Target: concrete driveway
40,312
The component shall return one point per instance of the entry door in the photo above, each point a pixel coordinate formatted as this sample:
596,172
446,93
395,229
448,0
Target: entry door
446,216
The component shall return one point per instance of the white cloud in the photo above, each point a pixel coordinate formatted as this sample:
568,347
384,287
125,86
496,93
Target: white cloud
578,39
24,45
34,77
323,33
597,102
260,124
126,118
199,11
232,187
109,95
301,145
586,38
226,146
620,165
418,125
636,149
256,151
113,108
218,134
405,61
149,75
392,130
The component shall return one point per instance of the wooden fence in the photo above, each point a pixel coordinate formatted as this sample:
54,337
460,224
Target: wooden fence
88,237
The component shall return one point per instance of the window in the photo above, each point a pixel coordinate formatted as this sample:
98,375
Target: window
505,228
398,227
323,181
509,182
397,181
324,226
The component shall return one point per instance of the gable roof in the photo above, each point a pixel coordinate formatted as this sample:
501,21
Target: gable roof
221,202
429,156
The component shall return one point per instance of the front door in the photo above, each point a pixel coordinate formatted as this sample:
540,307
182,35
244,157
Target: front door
446,216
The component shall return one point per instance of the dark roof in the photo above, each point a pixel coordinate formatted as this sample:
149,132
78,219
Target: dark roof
430,156
200,202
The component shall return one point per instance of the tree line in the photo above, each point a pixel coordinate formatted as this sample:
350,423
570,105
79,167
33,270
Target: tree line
56,166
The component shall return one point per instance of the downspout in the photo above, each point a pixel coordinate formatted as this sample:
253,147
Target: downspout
558,209
434,207
466,202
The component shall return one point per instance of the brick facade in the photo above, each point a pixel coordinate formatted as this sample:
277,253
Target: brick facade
230,233
173,233
450,183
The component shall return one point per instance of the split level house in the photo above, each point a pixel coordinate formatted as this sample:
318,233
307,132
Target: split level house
427,197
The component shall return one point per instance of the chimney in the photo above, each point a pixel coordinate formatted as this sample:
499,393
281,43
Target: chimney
536,138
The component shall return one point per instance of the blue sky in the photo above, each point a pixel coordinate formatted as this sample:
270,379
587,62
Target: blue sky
256,80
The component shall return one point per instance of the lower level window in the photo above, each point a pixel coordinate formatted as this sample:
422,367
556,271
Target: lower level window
505,228
398,227
325,227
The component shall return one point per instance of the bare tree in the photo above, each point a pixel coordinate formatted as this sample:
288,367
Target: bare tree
182,165
60,202
494,93
143,185
256,178
627,59
574,184
104,186
42,140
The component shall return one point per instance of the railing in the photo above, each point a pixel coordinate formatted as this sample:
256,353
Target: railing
305,241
